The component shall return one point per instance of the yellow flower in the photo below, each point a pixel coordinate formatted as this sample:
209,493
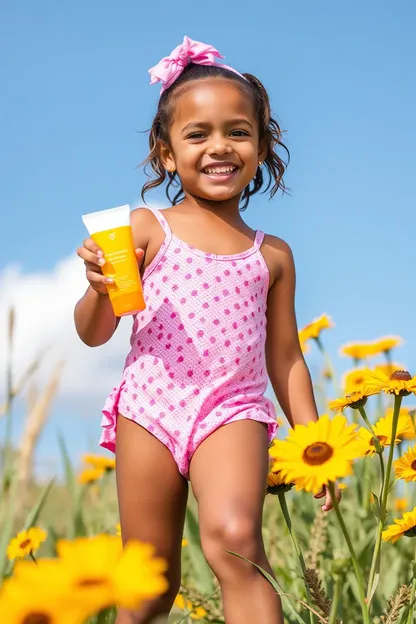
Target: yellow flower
354,399
409,432
400,504
185,543
382,430
100,462
103,574
400,382
25,543
405,466
354,379
277,484
357,350
305,348
118,530
42,602
195,613
90,475
405,526
385,344
316,453
389,368
314,329
342,486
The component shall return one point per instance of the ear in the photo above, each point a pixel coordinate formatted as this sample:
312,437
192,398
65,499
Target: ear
166,156
262,150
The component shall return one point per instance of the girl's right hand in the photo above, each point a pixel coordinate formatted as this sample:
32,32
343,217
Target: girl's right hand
94,260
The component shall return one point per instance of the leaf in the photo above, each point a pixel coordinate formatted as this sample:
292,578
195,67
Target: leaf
376,506
203,576
70,480
7,529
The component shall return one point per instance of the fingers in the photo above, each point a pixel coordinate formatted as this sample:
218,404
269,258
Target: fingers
95,278
320,494
328,505
139,253
91,253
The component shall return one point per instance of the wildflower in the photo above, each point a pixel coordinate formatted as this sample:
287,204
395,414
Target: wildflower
195,613
357,350
314,329
405,526
316,453
26,543
354,379
90,475
400,504
386,344
185,543
355,399
382,430
399,382
389,368
276,483
118,529
100,462
409,433
405,466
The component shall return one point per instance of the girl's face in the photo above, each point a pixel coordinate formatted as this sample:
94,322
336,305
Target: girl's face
214,140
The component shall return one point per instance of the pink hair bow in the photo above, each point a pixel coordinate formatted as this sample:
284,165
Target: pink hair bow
170,67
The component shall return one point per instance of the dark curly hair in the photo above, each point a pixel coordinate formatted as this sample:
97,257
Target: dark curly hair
269,132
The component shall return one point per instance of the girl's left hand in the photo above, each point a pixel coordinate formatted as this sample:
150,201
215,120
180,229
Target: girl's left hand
327,506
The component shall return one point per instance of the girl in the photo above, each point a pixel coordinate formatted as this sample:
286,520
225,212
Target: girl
219,322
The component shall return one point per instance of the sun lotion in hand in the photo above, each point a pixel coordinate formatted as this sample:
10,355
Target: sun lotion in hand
111,230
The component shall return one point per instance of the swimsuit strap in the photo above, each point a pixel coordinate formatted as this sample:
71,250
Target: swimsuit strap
259,239
163,223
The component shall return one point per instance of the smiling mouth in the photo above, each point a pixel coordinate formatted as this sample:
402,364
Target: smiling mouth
220,170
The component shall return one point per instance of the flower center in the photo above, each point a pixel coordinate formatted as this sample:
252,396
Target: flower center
411,532
317,453
382,439
25,543
37,618
413,465
401,375
91,582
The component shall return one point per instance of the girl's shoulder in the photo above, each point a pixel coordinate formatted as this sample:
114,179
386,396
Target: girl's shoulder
278,256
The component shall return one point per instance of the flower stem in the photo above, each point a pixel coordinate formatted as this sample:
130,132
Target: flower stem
32,556
356,565
286,515
412,594
335,599
383,502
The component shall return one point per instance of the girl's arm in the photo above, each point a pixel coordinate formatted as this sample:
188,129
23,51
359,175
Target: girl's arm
95,321
286,366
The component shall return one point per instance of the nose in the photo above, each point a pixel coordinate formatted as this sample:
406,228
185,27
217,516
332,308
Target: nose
219,145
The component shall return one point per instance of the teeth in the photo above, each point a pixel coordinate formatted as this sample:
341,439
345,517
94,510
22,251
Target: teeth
219,170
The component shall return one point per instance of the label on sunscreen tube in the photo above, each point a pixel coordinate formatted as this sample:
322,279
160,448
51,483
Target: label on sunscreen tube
111,230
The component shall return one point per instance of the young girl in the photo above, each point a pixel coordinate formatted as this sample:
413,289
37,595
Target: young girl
219,322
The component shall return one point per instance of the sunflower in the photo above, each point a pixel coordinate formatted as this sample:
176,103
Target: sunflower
400,504
314,329
382,430
316,453
405,466
276,483
90,475
101,574
100,462
26,543
386,344
357,350
399,382
406,526
389,368
195,613
39,603
355,399
410,432
354,379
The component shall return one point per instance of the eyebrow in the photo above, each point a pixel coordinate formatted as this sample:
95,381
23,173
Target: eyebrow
202,124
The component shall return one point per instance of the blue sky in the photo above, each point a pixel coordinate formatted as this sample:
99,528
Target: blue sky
76,98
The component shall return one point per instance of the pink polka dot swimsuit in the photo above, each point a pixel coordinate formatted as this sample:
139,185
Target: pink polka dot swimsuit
197,358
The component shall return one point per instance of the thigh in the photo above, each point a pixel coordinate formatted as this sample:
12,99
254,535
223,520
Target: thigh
152,494
228,473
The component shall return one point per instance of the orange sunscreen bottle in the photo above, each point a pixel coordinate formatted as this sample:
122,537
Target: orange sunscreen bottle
111,230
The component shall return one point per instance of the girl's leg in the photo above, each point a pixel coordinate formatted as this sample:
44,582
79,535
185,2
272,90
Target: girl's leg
229,474
152,497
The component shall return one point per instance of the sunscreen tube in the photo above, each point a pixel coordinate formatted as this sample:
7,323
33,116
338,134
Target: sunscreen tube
111,230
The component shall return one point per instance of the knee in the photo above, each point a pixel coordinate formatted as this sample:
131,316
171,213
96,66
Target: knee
238,534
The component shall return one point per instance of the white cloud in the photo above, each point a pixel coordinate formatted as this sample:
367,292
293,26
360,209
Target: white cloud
44,304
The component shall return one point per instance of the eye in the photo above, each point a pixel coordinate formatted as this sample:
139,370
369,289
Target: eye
239,133
196,135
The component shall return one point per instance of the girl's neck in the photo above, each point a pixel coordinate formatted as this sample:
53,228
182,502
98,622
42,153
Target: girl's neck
227,210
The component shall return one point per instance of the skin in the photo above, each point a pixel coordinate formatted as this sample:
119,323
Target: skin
213,122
